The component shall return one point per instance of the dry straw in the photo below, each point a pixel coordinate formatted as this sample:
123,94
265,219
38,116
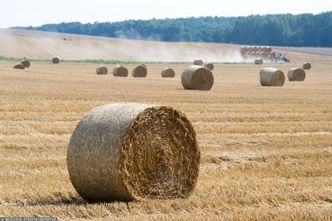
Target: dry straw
120,71
306,66
258,61
102,70
139,71
168,73
130,152
271,77
197,78
296,74
26,63
198,62
19,66
209,66
56,60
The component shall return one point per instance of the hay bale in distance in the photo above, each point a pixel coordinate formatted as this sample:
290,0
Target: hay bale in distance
26,63
130,152
139,71
271,77
102,70
120,71
306,66
168,73
258,61
198,62
197,78
209,66
296,74
55,60
19,66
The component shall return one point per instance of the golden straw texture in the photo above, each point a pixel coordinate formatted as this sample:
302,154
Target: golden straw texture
133,151
197,78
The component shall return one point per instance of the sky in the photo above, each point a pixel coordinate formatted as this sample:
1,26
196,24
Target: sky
39,12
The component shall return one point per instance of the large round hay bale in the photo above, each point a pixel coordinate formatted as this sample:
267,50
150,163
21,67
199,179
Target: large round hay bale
271,77
139,71
198,62
55,60
120,71
130,152
306,66
102,70
19,66
197,78
26,63
296,74
258,61
209,66
168,73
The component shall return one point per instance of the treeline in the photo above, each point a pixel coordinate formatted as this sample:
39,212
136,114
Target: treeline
305,30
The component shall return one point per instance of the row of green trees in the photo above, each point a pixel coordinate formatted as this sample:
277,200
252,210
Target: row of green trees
284,29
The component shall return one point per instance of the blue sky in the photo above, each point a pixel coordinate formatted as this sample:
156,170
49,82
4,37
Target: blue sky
38,12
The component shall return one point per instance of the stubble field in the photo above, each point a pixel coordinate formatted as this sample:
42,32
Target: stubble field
266,151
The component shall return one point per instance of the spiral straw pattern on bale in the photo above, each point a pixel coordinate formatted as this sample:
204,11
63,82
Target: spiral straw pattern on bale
26,63
209,66
130,152
271,77
296,74
139,71
19,66
306,66
197,78
102,70
168,73
198,62
120,71
55,60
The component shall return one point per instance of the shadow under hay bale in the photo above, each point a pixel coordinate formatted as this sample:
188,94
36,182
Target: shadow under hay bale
198,62
306,66
296,74
209,66
271,77
26,63
139,71
19,66
55,60
102,70
168,73
259,61
197,78
130,152
120,71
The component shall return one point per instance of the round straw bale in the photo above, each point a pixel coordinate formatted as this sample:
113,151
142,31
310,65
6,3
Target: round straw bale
102,70
26,63
120,71
296,74
56,60
258,61
209,66
168,73
19,66
306,66
197,78
132,152
271,77
198,62
139,71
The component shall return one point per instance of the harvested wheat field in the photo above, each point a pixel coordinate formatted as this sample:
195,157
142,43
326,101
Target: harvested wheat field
266,152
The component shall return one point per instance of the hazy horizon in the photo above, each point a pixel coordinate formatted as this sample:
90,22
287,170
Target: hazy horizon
37,12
